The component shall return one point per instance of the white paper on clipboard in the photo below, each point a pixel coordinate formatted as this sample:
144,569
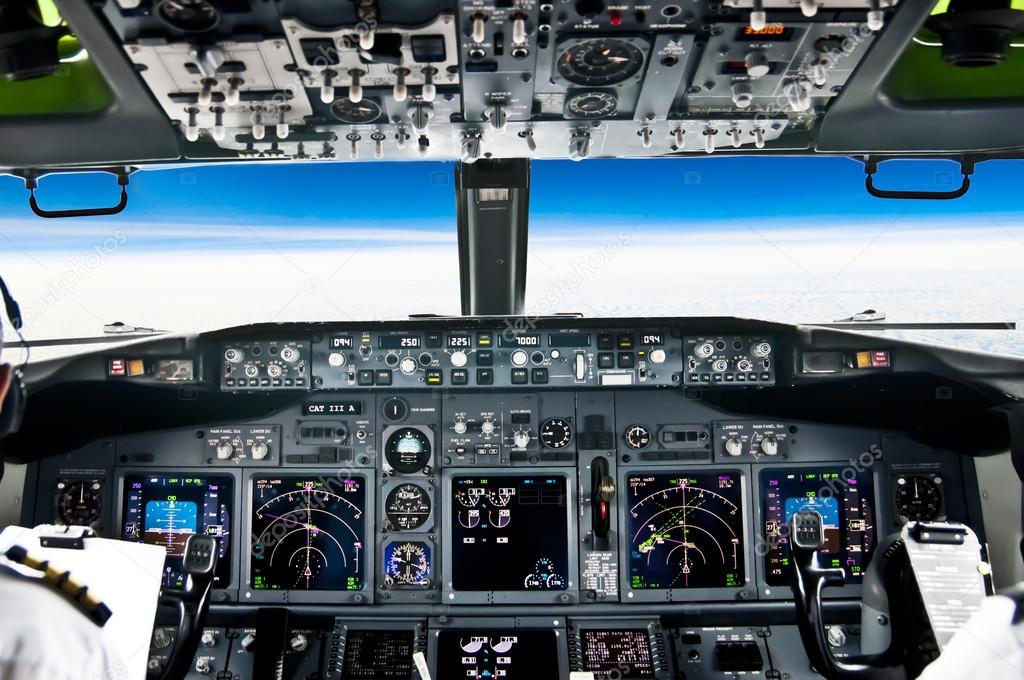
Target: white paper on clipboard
126,577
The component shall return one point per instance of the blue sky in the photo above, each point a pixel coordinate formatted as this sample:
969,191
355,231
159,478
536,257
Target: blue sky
681,194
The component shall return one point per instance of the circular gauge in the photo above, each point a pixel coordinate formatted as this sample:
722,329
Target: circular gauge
600,61
364,111
555,433
407,450
637,436
592,104
407,564
544,577
918,498
79,503
407,507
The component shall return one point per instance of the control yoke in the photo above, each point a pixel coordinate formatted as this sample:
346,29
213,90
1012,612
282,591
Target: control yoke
809,579
192,604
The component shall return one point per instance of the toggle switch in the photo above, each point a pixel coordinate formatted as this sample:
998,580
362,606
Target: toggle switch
679,137
429,91
809,7
734,135
355,90
353,148
233,95
579,145
283,129
378,145
470,147
518,29
645,137
709,140
259,131
327,86
365,36
192,127
218,132
206,93
478,34
758,133
401,90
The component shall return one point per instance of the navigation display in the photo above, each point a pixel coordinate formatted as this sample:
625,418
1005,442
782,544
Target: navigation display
165,509
845,503
307,533
488,655
624,653
509,533
378,654
685,530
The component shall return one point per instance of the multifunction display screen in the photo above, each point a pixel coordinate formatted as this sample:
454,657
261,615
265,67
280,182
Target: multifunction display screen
622,654
509,533
487,655
308,533
845,500
378,654
685,530
165,509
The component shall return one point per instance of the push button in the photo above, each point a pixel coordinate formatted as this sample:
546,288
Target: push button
383,376
435,376
484,376
520,376
606,360
460,376
365,377
539,376
627,360
605,341
485,357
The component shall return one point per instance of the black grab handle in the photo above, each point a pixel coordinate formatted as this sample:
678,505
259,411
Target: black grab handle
871,167
32,183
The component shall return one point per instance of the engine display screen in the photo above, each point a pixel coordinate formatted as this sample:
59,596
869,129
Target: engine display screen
378,654
489,655
685,530
165,509
845,503
517,525
623,654
308,533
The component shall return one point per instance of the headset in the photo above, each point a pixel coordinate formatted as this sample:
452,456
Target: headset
12,410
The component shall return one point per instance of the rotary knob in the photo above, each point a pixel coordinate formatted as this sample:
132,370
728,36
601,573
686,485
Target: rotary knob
248,641
719,365
733,446
224,450
259,450
208,639
274,370
202,666
407,365
744,365
757,64
519,357
487,427
459,358
742,94
336,359
658,356
233,355
769,445
251,371
289,355
704,350
521,439
762,349
459,426
298,643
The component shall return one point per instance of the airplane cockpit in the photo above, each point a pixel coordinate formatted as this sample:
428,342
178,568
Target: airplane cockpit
369,450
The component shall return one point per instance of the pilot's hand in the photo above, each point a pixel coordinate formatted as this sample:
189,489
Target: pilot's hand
988,646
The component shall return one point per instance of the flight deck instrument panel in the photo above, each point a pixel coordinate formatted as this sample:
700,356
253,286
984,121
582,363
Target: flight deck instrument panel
510,504
313,80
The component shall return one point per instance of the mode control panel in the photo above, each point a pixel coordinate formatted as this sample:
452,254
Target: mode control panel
723,360
265,365
500,358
